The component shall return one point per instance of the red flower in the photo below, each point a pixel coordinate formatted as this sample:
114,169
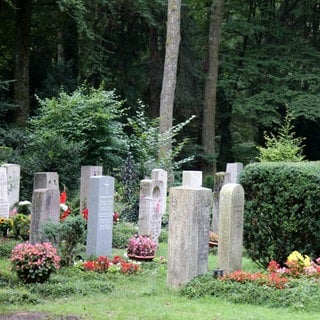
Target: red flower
65,214
85,213
63,197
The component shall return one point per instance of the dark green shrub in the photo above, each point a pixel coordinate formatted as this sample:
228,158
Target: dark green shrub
282,210
70,130
122,231
68,236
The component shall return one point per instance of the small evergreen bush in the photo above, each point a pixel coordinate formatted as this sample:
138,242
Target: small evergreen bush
67,235
282,210
122,232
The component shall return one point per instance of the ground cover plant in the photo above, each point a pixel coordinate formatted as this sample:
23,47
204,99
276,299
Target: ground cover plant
145,295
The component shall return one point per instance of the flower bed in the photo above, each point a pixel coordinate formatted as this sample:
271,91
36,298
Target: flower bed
116,264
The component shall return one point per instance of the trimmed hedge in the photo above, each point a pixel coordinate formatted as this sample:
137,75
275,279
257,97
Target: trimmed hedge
282,210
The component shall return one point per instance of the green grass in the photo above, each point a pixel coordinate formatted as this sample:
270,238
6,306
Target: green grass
146,296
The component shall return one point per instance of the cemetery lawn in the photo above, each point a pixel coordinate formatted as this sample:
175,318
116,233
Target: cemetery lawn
146,296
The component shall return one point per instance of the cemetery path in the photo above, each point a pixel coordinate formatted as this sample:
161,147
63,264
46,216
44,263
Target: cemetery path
35,316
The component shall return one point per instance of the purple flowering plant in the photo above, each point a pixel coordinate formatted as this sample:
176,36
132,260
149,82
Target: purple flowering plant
141,245
34,262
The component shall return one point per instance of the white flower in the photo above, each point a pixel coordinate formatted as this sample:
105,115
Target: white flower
63,206
24,203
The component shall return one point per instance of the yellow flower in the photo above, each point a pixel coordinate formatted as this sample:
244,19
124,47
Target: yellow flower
2,220
297,256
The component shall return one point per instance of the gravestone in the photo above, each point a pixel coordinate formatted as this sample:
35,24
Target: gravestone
188,245
46,180
86,173
221,178
100,217
192,178
161,175
45,208
234,169
231,227
150,208
4,202
13,183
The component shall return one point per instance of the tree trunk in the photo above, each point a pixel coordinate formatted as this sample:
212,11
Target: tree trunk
21,68
170,71
209,110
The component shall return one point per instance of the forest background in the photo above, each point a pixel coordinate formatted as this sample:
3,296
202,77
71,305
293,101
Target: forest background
269,65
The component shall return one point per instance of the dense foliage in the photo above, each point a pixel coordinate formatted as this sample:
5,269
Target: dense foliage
302,295
281,210
68,236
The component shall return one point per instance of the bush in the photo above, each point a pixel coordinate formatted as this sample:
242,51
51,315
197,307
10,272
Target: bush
82,128
284,146
122,231
34,263
67,235
282,210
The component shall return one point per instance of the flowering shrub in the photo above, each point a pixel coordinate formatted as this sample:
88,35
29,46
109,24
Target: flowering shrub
141,246
271,279
296,266
34,263
104,264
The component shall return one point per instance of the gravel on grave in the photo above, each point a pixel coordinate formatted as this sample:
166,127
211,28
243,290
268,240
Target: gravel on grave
35,316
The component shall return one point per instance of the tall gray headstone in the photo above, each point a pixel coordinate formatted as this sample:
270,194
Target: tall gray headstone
46,180
100,216
86,173
13,179
150,208
4,202
45,208
234,169
188,245
161,175
231,227
221,178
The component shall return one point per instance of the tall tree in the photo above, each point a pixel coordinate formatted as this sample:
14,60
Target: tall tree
209,110
170,71
21,67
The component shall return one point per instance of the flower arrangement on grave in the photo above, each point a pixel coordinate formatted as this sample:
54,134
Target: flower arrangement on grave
34,263
5,226
21,226
115,265
20,216
141,246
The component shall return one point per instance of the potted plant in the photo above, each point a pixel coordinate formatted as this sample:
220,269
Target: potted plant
141,247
